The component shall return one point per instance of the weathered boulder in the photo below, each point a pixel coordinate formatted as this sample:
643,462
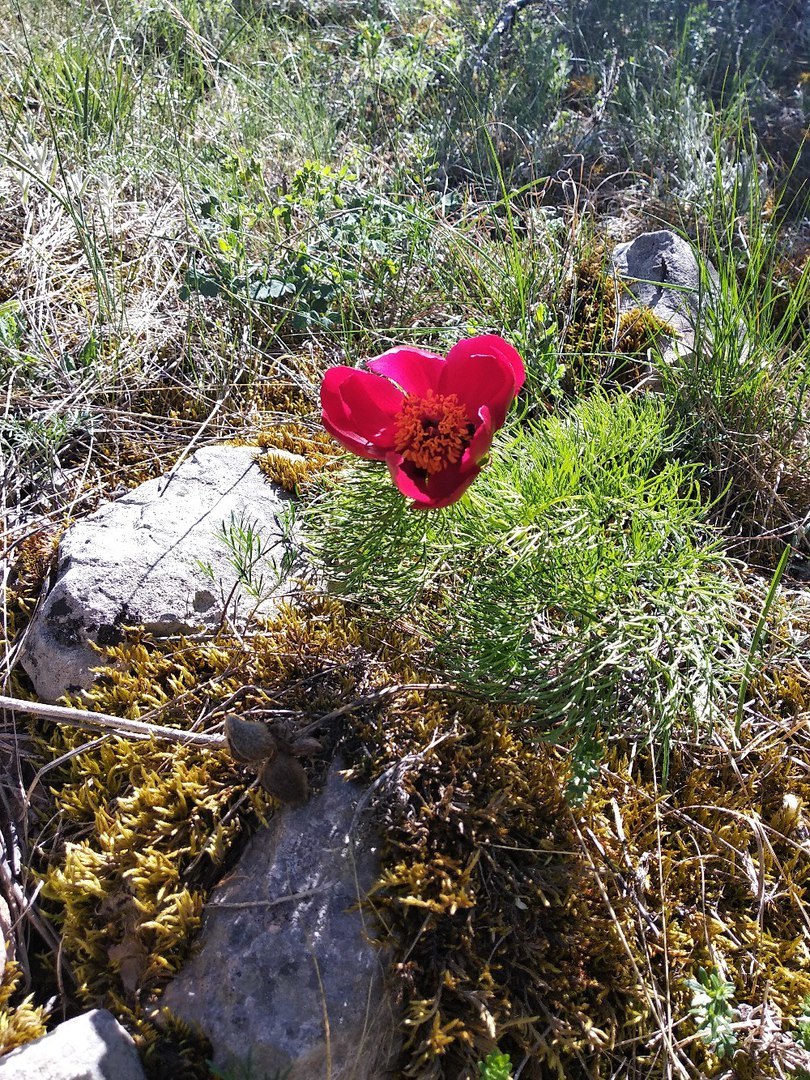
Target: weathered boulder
287,976
89,1047
157,556
660,271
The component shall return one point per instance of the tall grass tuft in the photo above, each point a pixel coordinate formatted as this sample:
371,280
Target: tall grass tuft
742,396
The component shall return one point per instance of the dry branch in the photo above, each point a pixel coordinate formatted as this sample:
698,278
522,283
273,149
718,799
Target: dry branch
115,725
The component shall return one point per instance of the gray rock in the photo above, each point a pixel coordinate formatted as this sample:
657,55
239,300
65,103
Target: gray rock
89,1047
660,271
155,557
286,976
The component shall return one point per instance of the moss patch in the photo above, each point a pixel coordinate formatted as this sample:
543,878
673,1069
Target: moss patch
605,342
288,429
20,1020
566,935
562,935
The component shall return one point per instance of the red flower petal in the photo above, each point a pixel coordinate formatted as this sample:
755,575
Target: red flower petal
429,492
492,345
415,370
481,440
479,379
358,409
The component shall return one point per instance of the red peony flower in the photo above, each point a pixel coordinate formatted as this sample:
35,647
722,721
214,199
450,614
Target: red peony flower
430,419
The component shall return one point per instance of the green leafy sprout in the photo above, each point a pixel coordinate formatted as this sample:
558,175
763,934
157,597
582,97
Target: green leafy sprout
496,1066
713,1011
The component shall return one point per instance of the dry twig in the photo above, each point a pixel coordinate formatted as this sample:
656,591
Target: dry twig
117,725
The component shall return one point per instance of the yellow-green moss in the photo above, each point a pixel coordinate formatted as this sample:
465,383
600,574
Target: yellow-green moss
562,935
20,1022
31,561
141,830
289,422
639,330
589,301
603,340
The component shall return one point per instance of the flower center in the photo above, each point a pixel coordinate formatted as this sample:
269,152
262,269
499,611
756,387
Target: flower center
432,432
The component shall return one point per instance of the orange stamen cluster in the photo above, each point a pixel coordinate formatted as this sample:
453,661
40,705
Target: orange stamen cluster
432,432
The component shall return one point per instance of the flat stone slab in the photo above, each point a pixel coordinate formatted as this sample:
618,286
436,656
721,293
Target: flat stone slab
286,976
157,557
89,1047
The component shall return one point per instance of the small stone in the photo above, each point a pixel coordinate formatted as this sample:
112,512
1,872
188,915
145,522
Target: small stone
89,1047
156,557
284,952
660,271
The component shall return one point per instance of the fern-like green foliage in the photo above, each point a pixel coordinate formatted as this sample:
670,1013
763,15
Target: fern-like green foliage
577,576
